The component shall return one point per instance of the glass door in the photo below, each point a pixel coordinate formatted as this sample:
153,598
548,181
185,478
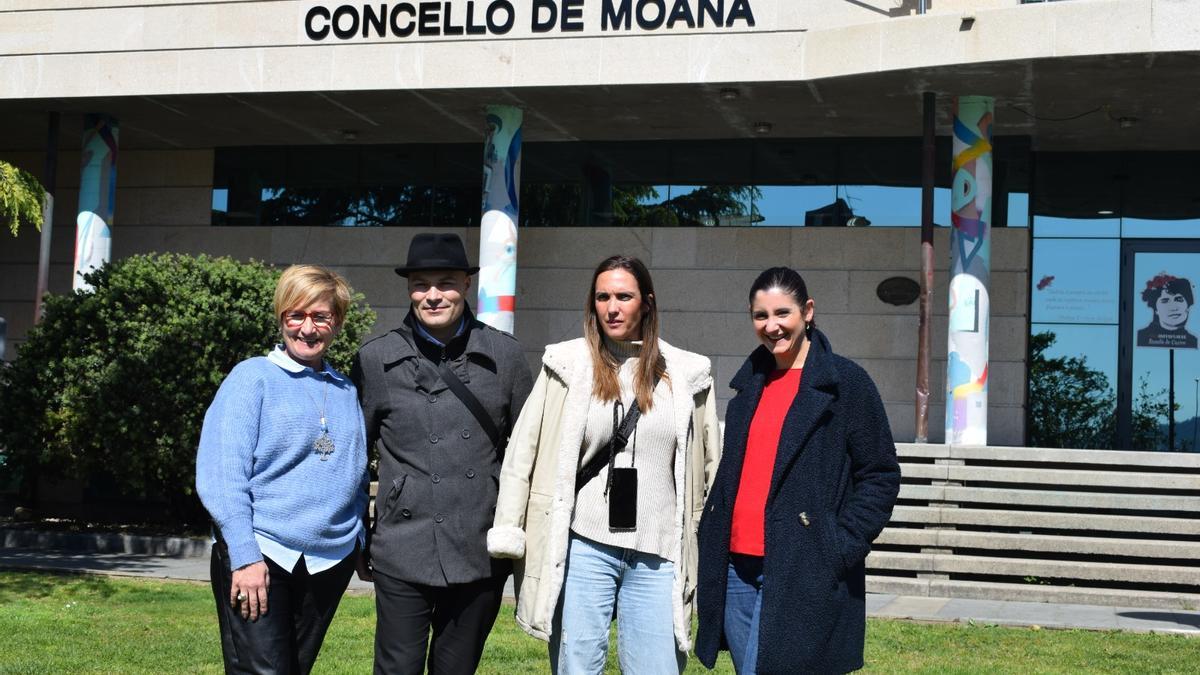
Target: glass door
1159,381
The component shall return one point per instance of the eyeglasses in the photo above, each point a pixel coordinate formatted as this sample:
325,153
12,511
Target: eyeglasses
296,318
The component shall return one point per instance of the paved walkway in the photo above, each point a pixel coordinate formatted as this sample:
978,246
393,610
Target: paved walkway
878,604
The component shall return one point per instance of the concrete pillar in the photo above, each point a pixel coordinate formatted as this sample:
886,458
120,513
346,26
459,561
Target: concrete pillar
498,226
970,264
97,194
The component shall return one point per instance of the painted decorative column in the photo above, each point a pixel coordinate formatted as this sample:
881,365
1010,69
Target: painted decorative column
97,195
970,264
498,227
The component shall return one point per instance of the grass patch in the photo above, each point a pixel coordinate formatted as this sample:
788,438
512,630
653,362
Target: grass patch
92,624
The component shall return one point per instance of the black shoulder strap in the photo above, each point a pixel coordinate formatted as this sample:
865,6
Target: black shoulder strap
619,440
460,390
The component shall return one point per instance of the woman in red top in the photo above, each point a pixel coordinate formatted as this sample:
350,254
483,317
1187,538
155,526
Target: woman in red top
807,480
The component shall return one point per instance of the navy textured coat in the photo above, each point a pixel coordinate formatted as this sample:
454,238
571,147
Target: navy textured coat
832,489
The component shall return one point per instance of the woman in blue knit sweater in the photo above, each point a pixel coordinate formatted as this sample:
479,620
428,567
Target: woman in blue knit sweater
282,471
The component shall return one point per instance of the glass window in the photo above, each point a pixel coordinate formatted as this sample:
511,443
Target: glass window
1075,280
1072,386
882,205
722,182
220,200
548,204
1048,226
1018,209
789,204
1167,229
1168,281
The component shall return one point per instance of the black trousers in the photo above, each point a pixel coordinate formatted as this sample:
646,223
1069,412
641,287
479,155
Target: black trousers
461,616
300,607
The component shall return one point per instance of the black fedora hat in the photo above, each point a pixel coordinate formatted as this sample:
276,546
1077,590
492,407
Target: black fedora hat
436,251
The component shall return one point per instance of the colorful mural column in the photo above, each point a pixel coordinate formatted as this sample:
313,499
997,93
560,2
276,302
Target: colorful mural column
97,195
498,227
970,265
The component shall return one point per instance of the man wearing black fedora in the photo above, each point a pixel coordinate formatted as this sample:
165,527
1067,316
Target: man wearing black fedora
439,394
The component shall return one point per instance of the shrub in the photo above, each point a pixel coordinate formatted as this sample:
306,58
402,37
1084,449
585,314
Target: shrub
116,380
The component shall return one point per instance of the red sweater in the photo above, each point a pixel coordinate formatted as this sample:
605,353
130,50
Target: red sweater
749,509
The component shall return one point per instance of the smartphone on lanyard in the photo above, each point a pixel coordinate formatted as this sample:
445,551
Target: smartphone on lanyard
622,500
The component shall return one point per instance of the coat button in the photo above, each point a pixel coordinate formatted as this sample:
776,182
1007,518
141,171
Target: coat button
804,518
466,434
406,513
435,478
433,438
470,473
439,518
433,398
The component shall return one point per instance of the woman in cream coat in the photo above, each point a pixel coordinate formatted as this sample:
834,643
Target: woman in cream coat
537,499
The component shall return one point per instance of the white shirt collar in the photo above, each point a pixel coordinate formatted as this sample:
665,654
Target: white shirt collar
281,358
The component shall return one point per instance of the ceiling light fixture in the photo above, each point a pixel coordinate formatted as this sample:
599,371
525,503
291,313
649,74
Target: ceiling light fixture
762,127
1127,122
349,134
730,94
1105,212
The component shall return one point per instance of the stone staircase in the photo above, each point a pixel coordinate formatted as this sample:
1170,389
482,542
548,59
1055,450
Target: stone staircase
1091,527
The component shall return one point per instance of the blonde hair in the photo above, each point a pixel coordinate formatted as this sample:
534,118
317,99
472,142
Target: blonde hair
301,285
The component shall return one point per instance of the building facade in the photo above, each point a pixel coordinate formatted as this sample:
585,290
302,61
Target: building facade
712,138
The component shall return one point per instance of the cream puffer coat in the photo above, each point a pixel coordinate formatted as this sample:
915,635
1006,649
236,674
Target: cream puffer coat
537,481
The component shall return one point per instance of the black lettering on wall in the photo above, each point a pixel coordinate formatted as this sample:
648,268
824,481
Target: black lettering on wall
615,18
310,20
682,11
372,20
714,12
659,14
740,10
472,27
572,16
427,18
448,27
394,20
436,17
341,31
543,16
510,16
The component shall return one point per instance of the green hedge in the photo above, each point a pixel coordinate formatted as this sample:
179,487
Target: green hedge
116,380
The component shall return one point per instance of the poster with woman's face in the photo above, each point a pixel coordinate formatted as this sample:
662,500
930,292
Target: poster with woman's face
1167,302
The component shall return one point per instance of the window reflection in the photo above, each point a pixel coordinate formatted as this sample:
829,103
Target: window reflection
788,204
882,205
1074,280
1048,226
698,183
1072,385
1168,229
1018,209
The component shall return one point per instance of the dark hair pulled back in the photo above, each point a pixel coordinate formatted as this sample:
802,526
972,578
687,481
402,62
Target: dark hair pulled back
783,279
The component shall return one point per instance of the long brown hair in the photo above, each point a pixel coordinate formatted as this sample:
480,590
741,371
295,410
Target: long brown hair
651,366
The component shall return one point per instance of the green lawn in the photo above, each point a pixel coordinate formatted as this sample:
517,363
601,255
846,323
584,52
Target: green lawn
91,624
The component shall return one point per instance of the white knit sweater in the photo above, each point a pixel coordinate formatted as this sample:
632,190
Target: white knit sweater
651,451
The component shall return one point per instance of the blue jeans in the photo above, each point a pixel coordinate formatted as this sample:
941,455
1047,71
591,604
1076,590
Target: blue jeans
743,606
640,585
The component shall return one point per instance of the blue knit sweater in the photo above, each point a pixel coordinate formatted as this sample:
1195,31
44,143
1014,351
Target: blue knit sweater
257,470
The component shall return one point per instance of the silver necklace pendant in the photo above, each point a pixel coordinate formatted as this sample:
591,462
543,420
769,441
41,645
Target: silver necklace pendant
324,445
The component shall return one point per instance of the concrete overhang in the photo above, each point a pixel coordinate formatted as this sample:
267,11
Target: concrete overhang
1071,76
1111,102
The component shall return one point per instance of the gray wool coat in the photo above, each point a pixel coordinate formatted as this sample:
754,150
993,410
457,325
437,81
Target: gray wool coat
438,471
